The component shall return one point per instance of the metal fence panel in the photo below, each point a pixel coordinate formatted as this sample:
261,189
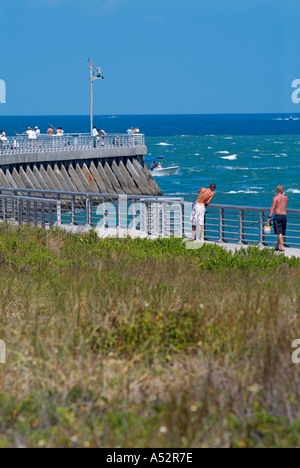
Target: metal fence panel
143,216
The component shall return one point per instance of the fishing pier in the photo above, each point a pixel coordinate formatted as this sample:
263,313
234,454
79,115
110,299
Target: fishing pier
78,163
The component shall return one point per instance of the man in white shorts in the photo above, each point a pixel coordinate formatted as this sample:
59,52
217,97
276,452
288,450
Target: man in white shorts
198,214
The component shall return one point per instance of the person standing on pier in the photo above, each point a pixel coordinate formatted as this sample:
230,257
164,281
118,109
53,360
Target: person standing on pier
197,218
59,132
279,207
32,137
95,132
3,136
50,130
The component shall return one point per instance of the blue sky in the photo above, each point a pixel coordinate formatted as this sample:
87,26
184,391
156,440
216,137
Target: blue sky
157,56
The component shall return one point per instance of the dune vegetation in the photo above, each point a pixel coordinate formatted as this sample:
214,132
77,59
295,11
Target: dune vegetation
136,343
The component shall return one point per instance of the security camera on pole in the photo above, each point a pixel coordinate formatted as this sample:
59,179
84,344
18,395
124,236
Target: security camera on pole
95,74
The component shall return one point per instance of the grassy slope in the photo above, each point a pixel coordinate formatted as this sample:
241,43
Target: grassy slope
145,344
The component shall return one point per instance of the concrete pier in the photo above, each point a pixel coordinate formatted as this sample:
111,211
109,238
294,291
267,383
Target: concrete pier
112,165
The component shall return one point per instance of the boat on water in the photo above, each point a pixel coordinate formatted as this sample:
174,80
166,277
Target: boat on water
158,170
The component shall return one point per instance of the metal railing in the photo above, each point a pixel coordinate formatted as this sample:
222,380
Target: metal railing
68,142
110,214
142,216
244,225
28,210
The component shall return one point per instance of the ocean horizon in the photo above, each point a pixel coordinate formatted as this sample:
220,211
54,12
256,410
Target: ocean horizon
246,155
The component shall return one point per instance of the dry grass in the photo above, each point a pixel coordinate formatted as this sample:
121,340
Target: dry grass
144,344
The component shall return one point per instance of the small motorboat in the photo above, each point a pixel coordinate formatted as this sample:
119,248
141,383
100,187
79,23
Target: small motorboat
158,170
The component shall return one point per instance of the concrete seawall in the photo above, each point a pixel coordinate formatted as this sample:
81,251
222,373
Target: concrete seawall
115,170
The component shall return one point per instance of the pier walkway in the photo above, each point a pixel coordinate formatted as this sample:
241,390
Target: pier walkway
289,252
148,217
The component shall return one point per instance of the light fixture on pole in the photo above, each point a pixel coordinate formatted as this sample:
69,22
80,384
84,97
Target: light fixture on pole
95,74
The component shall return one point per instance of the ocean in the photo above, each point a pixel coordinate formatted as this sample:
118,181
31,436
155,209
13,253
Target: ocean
246,156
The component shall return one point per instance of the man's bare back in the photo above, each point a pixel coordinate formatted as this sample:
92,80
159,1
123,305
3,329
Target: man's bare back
279,205
205,196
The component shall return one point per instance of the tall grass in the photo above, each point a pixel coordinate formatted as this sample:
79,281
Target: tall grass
135,343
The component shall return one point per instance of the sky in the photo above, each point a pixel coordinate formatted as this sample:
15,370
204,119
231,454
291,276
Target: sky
157,56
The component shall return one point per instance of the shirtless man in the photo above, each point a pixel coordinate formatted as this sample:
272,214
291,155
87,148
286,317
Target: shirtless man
50,130
197,218
279,206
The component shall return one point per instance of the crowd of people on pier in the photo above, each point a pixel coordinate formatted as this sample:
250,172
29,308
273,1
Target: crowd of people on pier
133,131
34,133
97,132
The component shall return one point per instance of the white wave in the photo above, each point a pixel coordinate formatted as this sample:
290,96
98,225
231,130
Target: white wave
164,144
231,168
255,151
233,157
297,191
197,154
256,157
234,192
228,138
222,152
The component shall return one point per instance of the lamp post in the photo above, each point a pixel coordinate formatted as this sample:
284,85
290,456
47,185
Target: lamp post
95,74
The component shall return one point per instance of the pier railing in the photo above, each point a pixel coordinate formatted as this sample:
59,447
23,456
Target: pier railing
244,225
140,216
21,144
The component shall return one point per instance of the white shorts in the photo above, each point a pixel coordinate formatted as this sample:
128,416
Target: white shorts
198,214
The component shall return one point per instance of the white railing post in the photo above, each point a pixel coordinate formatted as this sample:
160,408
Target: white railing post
3,201
242,226
58,211
88,211
221,224
19,220
261,228
122,205
165,228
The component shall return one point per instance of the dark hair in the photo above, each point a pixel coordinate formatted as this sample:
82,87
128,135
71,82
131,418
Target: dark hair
213,187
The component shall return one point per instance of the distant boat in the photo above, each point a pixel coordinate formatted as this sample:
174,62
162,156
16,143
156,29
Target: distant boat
157,170
113,117
291,117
